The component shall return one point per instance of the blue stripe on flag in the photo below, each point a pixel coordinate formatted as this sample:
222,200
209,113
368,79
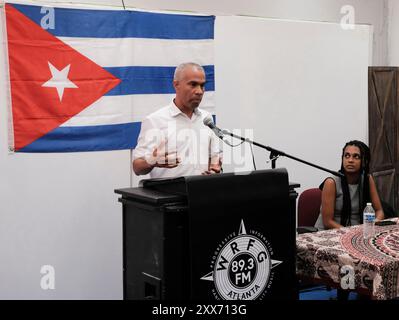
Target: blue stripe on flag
88,138
122,24
151,80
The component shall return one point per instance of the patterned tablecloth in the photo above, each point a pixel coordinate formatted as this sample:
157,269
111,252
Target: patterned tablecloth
344,257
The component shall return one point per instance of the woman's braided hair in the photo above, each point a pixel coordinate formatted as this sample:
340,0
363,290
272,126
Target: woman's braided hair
364,187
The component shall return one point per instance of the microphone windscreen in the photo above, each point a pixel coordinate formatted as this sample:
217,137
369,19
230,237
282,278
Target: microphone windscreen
208,121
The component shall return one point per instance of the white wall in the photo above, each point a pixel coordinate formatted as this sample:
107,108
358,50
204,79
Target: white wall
293,84
60,209
373,12
393,33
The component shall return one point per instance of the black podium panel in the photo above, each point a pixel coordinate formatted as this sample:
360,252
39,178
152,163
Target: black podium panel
212,237
155,246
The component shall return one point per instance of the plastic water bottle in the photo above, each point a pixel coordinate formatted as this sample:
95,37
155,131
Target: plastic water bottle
368,221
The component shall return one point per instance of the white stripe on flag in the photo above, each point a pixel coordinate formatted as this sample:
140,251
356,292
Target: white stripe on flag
142,52
129,108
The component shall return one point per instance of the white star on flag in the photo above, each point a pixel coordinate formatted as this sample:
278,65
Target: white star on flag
59,80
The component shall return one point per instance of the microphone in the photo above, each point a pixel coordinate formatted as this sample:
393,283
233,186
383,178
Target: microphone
208,121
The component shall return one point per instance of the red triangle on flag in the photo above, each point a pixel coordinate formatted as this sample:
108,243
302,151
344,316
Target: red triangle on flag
50,81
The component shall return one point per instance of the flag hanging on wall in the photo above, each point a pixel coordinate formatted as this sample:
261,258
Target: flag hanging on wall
83,79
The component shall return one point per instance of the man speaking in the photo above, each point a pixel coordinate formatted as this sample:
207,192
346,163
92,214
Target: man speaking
173,141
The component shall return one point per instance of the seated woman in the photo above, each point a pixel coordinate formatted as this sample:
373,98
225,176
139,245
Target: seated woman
343,200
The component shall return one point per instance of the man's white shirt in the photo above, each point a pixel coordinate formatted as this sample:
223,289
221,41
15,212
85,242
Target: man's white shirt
174,131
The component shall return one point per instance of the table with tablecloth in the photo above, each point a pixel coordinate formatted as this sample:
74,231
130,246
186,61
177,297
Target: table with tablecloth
332,256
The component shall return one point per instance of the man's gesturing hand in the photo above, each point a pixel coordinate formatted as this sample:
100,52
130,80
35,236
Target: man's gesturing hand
162,159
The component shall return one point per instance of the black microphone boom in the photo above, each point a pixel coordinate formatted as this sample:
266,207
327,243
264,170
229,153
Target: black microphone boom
275,152
208,121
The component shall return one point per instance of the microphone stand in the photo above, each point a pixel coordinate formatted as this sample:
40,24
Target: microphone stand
274,154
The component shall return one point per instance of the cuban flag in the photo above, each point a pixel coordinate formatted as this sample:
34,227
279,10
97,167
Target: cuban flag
83,79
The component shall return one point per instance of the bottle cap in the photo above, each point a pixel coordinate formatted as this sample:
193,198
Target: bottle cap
369,203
